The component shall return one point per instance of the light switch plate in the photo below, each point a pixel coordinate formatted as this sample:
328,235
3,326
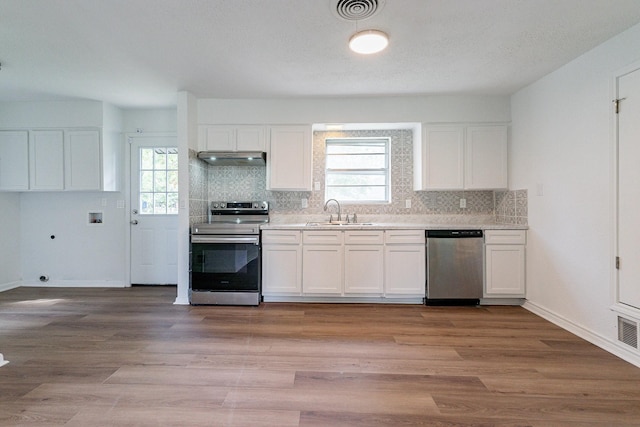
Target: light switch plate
305,203
463,203
407,203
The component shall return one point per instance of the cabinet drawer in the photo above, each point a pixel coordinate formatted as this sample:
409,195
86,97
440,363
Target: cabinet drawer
364,237
505,237
322,237
282,237
404,236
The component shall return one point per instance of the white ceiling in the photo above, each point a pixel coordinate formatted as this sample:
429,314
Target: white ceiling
140,53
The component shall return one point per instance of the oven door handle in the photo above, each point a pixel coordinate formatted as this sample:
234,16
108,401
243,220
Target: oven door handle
226,239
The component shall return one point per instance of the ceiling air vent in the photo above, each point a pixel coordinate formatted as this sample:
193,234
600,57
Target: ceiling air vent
628,332
356,10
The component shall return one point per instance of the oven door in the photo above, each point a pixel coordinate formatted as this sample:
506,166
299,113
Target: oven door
225,263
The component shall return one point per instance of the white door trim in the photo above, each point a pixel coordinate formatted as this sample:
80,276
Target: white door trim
614,241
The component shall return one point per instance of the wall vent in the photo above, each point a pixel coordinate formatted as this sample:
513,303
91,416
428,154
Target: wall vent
628,332
356,10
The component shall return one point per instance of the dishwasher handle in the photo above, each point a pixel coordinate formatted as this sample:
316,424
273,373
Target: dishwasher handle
454,234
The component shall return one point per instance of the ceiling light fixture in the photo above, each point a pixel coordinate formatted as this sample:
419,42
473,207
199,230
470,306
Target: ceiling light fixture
368,41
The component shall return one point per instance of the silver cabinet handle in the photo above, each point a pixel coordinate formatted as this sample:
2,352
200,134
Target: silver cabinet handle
134,222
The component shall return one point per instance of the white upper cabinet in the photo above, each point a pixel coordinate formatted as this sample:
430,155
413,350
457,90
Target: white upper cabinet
83,160
231,138
461,157
46,160
441,158
289,158
59,160
485,157
14,160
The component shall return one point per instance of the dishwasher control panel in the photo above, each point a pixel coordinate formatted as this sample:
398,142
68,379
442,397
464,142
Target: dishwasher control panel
454,233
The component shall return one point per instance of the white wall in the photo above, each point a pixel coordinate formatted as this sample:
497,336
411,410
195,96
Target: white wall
44,114
150,120
9,240
561,142
81,254
355,110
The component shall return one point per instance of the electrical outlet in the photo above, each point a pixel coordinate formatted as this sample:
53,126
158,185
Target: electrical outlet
305,203
316,186
103,202
407,203
463,203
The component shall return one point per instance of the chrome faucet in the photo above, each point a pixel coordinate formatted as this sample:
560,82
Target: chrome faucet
337,203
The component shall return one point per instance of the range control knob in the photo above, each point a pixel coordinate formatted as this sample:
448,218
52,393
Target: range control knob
215,205
223,205
255,206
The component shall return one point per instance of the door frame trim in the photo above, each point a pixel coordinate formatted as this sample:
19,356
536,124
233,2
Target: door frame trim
616,305
128,139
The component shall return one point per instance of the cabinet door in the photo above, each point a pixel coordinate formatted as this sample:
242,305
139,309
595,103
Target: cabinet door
289,158
250,138
486,157
363,269
83,163
405,267
443,158
46,160
505,274
322,269
216,138
14,160
281,270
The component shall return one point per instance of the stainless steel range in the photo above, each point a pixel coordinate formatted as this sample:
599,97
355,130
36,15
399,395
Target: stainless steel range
225,267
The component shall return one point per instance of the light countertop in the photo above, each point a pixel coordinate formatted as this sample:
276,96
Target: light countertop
393,226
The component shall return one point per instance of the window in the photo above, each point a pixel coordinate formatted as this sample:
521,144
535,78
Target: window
158,180
357,170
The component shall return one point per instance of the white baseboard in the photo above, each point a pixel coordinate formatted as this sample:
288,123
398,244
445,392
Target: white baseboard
10,285
77,284
612,346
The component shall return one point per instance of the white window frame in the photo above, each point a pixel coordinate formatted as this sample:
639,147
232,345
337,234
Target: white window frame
354,141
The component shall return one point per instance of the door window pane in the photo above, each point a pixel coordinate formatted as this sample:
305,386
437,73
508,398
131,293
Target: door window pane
158,181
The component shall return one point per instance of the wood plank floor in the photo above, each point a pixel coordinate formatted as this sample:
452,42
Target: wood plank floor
129,357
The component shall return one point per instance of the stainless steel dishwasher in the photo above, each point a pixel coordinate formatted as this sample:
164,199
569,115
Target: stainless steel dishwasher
454,267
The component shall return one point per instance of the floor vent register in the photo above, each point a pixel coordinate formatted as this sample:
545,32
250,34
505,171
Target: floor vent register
628,332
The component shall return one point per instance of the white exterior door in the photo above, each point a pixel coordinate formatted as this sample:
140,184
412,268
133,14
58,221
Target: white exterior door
154,210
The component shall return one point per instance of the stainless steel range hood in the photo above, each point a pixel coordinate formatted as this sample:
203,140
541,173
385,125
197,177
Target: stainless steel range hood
234,158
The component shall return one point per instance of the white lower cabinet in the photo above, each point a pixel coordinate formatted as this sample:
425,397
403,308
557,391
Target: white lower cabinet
364,262
345,264
281,263
322,262
405,264
505,264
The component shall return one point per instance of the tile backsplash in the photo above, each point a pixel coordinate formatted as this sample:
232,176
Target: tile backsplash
511,207
249,183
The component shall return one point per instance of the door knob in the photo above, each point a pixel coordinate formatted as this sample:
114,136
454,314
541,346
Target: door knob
134,221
